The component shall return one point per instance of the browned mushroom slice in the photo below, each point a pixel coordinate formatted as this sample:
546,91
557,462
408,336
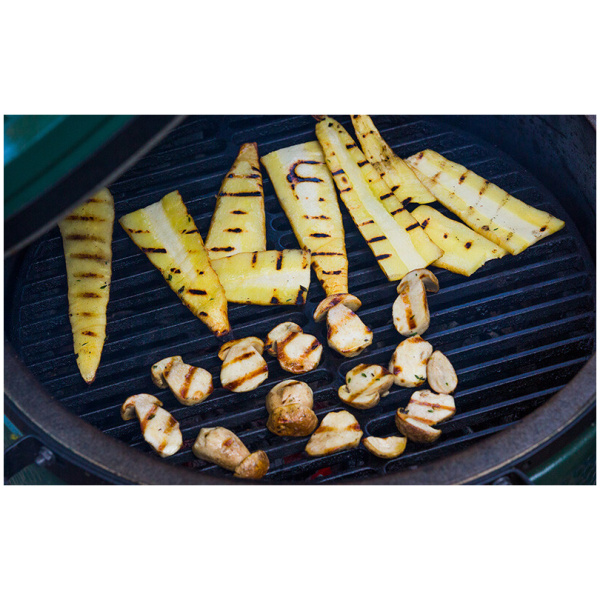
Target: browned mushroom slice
430,408
348,300
410,310
338,431
289,405
190,385
159,428
365,386
430,281
243,368
279,333
346,333
297,352
254,466
414,430
389,447
409,362
441,374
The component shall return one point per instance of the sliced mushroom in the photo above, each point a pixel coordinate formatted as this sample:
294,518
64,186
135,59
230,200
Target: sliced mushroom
389,447
430,281
222,447
409,362
338,431
410,310
289,405
346,333
365,386
190,385
441,374
348,300
297,352
159,428
243,367
424,410
280,333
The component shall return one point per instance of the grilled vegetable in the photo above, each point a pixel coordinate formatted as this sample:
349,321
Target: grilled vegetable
464,250
238,223
398,176
483,206
166,233
346,333
159,428
394,236
190,385
87,236
389,447
410,310
268,277
365,386
306,193
338,431
222,447
243,367
424,410
441,375
409,362
289,405
297,352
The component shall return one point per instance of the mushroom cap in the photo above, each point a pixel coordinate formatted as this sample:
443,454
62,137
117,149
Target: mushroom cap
139,401
220,446
255,342
253,466
278,333
414,430
348,300
288,392
389,447
430,281
293,420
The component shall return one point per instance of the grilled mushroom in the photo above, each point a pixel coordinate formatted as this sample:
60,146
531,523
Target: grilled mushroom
348,300
441,375
297,352
289,405
159,428
389,447
424,410
190,385
411,310
365,386
338,431
243,368
346,333
222,447
409,362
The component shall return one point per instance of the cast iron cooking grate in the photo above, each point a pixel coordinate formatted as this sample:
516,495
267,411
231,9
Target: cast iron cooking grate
517,331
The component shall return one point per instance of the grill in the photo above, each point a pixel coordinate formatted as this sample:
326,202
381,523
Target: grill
517,331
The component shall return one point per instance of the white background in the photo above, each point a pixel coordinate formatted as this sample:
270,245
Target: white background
301,57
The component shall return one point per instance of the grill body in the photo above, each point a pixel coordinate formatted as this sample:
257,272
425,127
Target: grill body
517,331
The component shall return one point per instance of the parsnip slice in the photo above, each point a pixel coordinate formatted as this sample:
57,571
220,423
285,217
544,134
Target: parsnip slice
266,278
483,206
87,236
465,251
394,236
399,177
167,234
306,192
238,223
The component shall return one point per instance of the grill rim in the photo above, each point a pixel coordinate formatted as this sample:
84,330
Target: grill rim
115,462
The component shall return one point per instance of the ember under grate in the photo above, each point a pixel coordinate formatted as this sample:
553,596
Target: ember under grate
517,330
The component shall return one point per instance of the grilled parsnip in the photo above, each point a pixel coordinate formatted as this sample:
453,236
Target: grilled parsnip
238,223
87,236
166,233
267,277
464,250
483,206
306,193
394,236
399,177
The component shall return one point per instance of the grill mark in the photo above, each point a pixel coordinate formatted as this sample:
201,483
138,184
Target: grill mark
84,236
468,245
331,272
385,196
370,222
376,239
434,405
362,163
197,292
327,254
82,218
425,222
394,212
294,179
154,250
174,270
300,296
338,172
274,300
171,423
138,230
89,295
89,333
321,199
191,231
147,417
203,314
187,380
279,261
283,343
413,226
254,257
352,145
240,194
394,188
319,235
239,358
235,229
318,217
484,187
237,382
89,275
86,256
382,256
86,314
462,177
224,249
239,212
346,190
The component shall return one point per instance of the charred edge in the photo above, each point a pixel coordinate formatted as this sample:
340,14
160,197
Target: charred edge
376,239
255,169
84,236
241,194
89,295
197,292
254,257
235,230
138,230
300,296
484,187
279,261
319,235
154,250
385,196
202,314
382,256
413,226
86,256
327,254
82,218
191,231
224,249
239,212
237,382
462,177
89,333
274,300
362,163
